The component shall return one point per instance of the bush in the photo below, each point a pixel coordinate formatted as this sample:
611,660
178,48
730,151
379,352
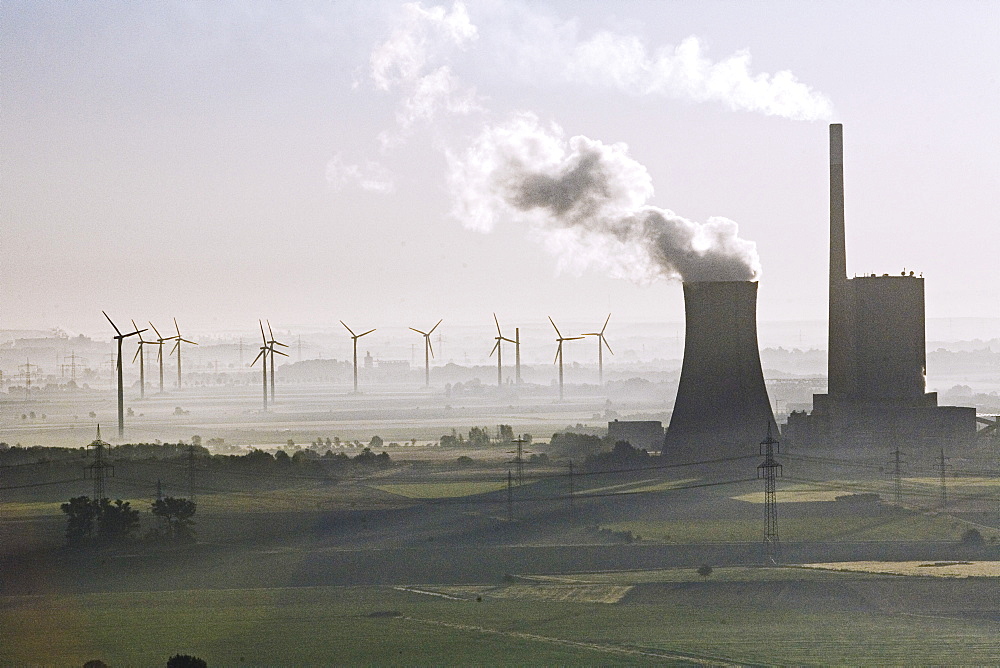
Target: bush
972,537
704,571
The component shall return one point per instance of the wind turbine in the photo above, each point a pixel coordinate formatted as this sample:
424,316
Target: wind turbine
159,352
121,392
142,362
428,351
177,346
355,337
500,338
271,344
263,353
559,353
600,349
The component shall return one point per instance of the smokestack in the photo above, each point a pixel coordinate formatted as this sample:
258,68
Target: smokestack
722,408
839,364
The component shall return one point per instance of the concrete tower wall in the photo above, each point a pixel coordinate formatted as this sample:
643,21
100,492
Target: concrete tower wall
889,340
722,408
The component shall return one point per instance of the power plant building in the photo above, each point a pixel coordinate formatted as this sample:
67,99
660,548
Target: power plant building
643,434
876,395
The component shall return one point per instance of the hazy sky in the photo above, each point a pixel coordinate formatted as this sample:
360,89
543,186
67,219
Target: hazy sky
392,164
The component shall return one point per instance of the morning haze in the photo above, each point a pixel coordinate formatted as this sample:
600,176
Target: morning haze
481,332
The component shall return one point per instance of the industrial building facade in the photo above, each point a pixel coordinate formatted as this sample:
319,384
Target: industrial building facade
876,396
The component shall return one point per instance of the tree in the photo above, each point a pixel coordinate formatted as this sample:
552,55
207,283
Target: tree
177,513
186,661
117,521
81,512
704,571
478,437
972,536
376,442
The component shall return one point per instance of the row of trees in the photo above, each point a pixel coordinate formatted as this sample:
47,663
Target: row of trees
101,520
480,437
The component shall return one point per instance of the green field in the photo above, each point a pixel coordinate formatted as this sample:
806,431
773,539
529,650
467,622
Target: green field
666,618
902,526
441,490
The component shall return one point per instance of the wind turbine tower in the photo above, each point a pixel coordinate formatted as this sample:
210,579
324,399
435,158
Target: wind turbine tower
559,353
355,338
178,339
601,343
263,353
517,355
159,352
428,351
271,349
119,337
498,349
142,362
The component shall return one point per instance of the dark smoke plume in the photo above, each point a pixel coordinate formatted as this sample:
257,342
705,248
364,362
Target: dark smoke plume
586,200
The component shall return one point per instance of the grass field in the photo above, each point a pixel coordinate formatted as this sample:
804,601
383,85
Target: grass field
441,490
900,525
940,569
664,621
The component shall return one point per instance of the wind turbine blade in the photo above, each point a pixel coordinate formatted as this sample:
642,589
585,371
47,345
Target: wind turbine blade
262,337
504,338
117,331
155,330
269,330
558,352
278,352
176,346
558,333
430,346
592,334
366,333
605,324
137,351
608,345
177,328
279,343
418,331
572,338
186,341
499,333
435,327
258,356
495,346
347,328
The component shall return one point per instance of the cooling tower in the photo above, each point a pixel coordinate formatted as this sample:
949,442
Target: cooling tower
722,408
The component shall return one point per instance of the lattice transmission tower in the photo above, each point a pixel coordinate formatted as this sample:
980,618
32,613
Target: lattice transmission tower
100,469
769,470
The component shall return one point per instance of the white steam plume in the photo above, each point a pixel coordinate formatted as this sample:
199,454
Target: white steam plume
622,61
370,176
587,201
538,45
410,61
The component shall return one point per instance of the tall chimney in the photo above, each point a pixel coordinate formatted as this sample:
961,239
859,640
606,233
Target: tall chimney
722,408
839,358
